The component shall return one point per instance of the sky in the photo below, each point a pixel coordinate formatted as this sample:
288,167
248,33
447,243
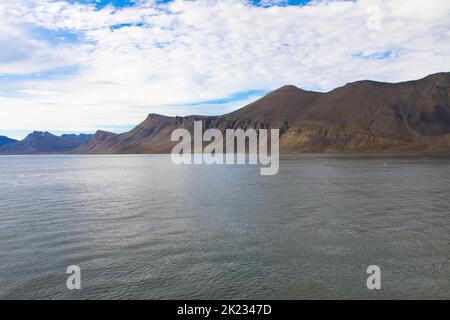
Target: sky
78,66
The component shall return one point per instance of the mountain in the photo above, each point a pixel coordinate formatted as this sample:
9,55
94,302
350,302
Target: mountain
362,116
45,143
5,140
99,137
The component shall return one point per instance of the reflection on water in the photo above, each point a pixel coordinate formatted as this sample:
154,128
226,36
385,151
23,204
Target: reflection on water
140,227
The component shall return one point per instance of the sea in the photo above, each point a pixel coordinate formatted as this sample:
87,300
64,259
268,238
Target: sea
140,227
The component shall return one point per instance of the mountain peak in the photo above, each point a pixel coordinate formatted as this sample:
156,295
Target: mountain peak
439,75
435,77
39,134
156,116
288,87
99,132
442,78
366,83
102,135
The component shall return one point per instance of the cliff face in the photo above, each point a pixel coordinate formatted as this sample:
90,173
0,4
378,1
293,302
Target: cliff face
358,117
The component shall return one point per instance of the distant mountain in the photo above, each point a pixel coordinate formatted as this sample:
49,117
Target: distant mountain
359,117
5,140
44,143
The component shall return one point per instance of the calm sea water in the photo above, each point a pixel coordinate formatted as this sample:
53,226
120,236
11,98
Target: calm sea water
140,227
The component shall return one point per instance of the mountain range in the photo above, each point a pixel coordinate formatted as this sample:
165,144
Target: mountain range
363,116
45,143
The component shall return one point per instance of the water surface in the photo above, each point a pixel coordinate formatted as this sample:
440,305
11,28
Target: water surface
141,227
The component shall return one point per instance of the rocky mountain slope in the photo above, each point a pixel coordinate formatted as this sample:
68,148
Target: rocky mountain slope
5,140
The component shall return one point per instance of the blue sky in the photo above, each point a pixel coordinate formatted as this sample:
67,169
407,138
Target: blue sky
77,66
128,3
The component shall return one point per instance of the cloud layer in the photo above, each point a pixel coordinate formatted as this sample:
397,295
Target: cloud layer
77,67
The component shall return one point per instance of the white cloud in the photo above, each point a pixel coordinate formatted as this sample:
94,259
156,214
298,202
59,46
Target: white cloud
166,56
21,54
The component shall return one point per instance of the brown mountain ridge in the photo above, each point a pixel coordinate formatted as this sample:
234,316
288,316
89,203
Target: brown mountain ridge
363,116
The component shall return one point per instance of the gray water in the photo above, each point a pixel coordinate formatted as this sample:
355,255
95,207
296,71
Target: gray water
141,227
